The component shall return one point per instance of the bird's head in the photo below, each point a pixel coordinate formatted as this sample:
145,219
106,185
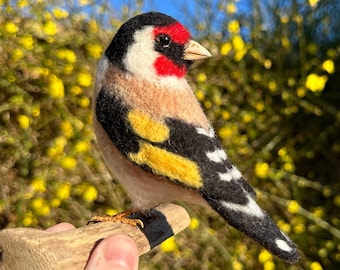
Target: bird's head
154,46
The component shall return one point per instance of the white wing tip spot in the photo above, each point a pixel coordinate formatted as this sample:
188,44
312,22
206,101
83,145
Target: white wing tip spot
281,244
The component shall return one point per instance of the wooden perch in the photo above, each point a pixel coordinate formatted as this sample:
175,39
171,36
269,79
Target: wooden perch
27,248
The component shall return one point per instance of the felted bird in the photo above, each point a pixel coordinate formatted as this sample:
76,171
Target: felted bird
155,137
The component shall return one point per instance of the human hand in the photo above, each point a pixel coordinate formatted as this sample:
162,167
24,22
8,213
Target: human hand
117,252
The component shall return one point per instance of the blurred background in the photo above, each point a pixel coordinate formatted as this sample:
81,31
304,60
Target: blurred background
271,90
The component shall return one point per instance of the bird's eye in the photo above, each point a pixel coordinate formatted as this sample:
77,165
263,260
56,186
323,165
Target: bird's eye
164,40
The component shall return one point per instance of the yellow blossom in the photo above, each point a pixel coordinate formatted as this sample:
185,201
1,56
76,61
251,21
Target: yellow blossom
226,48
94,50
90,194
11,28
261,169
27,41
24,121
313,3
269,265
84,102
81,147
315,266
301,92
293,207
272,86
93,26
40,206
238,43
55,202
84,2
267,63
234,27
22,3
299,228
39,184
58,146
200,95
337,200
68,163
50,28
76,90
67,128
315,82
169,245
328,65
265,256
226,132
60,13
63,191
55,87
84,79
246,117
201,77
225,115
194,224
231,8
28,218
111,212
17,54
66,54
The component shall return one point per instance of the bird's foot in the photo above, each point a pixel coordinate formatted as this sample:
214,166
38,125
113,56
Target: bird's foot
122,217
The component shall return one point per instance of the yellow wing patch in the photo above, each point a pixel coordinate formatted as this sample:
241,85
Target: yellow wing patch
147,128
163,162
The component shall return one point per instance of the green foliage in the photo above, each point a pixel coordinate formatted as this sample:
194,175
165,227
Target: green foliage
272,97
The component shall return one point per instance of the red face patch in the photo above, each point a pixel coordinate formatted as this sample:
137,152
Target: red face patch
177,32
165,67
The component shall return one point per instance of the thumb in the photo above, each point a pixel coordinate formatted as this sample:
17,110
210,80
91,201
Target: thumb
117,252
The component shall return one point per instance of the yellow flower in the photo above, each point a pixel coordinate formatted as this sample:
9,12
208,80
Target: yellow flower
313,3
201,77
84,2
28,219
84,101
84,79
39,184
315,82
50,28
76,90
234,27
267,64
11,28
337,200
81,147
293,207
111,212
60,13
55,87
225,115
27,41
63,191
301,92
194,224
40,206
299,228
226,48
169,245
200,95
90,194
67,128
68,163
17,54
24,121
94,50
55,202
315,266
22,3
66,54
328,65
226,132
261,169
231,8
58,146
269,265
265,256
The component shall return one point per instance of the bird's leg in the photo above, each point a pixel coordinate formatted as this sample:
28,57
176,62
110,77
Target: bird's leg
122,217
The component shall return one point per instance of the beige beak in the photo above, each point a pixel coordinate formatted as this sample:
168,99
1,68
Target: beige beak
195,51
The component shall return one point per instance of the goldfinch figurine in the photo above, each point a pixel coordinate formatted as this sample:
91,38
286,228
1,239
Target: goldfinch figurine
155,137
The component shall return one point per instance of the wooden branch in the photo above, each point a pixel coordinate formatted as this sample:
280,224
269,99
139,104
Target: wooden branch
27,248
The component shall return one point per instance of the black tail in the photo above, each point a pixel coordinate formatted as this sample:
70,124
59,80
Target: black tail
250,219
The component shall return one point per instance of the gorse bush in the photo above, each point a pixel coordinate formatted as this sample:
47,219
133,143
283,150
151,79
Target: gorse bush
270,92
